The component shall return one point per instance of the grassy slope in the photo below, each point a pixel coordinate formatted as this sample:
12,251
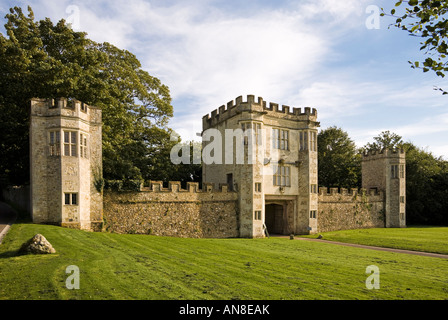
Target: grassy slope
428,239
116,266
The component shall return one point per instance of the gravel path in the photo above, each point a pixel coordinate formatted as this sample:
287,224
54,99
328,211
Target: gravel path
7,217
426,254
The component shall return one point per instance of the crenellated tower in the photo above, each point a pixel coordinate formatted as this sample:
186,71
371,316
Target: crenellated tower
268,154
66,163
386,171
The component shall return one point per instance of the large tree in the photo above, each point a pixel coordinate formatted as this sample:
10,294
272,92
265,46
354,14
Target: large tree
385,140
425,19
47,60
339,162
426,187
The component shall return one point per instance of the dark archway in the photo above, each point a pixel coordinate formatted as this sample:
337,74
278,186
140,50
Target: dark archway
274,218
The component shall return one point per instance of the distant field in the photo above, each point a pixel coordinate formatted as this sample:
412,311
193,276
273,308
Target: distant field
428,239
114,266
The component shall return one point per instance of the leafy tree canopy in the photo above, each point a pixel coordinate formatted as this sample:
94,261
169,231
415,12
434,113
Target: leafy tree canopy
46,60
426,19
385,140
426,187
339,162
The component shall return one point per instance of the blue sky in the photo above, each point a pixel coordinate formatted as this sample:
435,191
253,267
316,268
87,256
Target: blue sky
316,53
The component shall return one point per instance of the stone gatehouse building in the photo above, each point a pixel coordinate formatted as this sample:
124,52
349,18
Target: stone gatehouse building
263,178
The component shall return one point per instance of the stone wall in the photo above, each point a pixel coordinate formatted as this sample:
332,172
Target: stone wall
173,211
342,210
19,196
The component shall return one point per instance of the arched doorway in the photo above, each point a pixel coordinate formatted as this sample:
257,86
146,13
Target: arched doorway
274,218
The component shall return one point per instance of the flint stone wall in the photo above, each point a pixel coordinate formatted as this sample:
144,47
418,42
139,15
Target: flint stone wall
173,212
18,195
343,210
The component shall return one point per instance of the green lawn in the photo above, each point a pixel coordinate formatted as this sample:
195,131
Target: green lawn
429,239
114,266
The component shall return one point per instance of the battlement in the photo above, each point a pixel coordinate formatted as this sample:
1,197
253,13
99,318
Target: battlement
65,107
384,153
59,103
192,187
324,191
238,106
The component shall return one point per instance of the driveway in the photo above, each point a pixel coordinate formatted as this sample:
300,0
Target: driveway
426,254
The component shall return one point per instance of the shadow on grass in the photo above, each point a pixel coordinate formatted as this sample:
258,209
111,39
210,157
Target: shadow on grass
10,254
20,253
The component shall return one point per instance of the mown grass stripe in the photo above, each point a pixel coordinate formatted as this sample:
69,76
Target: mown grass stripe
117,266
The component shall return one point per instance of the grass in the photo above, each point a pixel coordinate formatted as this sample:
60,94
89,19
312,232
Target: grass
114,266
416,238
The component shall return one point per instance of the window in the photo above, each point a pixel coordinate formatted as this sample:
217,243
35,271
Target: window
83,145
313,141
401,199
245,126
401,170
55,143
256,127
71,199
257,187
280,139
303,140
313,214
275,138
281,176
70,143
402,215
313,188
284,139
230,181
257,215
394,171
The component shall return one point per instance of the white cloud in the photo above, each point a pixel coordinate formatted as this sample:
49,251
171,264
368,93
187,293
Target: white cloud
208,54
440,151
211,57
429,125
334,12
218,58
336,99
203,51
104,21
108,29
429,132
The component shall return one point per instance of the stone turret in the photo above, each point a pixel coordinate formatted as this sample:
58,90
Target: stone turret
66,163
386,171
238,106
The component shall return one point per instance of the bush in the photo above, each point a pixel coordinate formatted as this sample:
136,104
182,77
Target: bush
132,185
114,185
124,185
